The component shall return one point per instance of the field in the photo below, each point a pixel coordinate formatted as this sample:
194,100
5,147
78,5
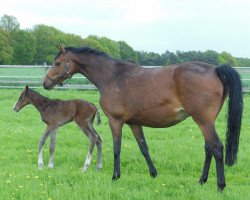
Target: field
177,153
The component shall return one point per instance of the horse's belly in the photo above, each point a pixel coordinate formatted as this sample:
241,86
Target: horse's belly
159,119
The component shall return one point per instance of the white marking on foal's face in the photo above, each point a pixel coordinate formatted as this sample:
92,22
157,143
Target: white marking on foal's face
15,107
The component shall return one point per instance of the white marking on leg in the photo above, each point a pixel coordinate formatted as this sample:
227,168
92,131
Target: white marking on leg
40,160
87,162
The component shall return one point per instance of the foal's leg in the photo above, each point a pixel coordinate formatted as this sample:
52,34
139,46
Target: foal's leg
40,147
52,148
213,147
88,130
116,129
139,136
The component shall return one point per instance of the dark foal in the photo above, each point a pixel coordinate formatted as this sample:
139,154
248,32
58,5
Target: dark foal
56,113
159,97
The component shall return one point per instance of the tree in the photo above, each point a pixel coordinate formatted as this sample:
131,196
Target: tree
24,45
169,58
227,58
92,42
111,45
6,50
211,57
9,23
150,59
127,52
47,38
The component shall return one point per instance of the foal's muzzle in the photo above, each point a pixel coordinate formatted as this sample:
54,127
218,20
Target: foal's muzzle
16,109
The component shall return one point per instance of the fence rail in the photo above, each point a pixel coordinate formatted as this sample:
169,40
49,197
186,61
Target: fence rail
17,76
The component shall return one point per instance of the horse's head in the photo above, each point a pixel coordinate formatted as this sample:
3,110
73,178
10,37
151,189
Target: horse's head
62,69
23,100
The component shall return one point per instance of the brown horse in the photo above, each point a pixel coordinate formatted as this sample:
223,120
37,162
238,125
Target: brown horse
56,113
158,97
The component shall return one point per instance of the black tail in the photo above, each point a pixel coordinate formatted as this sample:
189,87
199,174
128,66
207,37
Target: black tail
98,117
230,79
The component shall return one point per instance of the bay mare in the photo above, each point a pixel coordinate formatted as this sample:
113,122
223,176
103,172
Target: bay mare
56,113
159,97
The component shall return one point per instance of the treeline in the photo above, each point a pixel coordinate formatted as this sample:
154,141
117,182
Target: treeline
38,45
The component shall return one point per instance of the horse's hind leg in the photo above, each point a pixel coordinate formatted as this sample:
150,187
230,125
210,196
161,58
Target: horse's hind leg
213,146
208,158
139,136
52,148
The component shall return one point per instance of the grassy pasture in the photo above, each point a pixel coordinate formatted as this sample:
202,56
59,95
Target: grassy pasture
177,153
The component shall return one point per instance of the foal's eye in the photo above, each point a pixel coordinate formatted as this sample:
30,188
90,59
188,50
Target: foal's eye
57,63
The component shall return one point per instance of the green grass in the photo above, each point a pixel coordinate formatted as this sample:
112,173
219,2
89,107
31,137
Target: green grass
177,153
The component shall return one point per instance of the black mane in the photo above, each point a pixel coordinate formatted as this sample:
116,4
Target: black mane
84,49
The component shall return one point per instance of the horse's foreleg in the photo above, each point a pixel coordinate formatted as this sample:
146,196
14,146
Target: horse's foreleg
40,147
52,148
139,136
116,129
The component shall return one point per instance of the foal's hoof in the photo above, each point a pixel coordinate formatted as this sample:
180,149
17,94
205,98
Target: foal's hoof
153,173
50,166
40,165
221,187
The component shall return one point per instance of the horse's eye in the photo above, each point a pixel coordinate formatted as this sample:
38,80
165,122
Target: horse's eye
57,63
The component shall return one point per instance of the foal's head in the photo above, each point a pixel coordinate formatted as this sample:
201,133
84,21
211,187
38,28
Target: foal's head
23,100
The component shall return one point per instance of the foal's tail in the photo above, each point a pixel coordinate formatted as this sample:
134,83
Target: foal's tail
97,114
230,79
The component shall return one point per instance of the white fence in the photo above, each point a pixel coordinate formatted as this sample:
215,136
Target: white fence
17,76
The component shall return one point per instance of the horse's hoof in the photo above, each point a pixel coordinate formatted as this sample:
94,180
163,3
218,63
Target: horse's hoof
221,187
202,181
115,177
153,173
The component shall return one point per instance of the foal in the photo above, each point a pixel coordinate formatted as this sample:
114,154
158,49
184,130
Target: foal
56,113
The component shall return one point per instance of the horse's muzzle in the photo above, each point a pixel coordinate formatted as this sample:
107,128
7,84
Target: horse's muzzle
47,87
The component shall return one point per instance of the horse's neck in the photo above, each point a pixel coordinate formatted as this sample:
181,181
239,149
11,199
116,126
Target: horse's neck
98,71
39,101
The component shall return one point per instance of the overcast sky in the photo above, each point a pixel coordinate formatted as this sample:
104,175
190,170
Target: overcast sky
150,25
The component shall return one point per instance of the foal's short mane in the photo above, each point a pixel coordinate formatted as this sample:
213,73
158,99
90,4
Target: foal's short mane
36,93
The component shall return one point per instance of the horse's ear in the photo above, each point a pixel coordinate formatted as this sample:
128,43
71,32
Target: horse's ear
61,48
26,88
